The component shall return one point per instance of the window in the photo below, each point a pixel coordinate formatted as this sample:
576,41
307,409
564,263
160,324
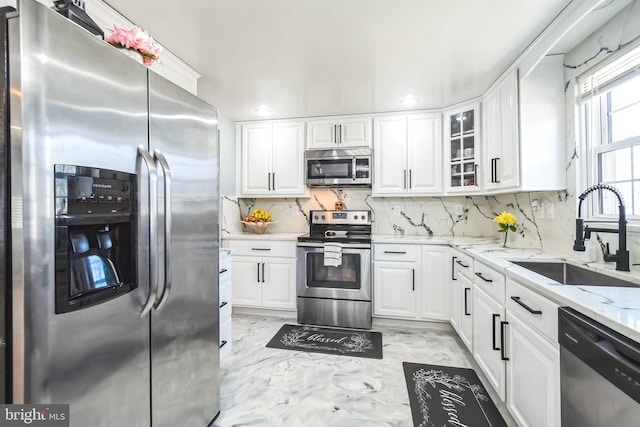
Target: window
610,113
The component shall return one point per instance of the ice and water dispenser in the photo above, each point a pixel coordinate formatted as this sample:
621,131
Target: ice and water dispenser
96,223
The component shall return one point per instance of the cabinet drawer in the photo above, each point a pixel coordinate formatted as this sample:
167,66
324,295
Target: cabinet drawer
225,269
225,337
263,248
536,310
489,281
463,265
385,252
225,302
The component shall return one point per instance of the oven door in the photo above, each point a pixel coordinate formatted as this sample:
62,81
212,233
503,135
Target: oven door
351,280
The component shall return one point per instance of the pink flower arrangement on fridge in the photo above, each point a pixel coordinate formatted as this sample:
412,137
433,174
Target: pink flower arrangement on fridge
137,40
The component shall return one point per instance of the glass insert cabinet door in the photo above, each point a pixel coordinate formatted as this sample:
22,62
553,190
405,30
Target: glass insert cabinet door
462,141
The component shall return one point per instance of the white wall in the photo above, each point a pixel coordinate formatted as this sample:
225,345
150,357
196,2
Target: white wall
436,214
227,155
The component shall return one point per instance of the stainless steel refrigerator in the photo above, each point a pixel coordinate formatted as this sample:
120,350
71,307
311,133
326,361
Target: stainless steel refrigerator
110,232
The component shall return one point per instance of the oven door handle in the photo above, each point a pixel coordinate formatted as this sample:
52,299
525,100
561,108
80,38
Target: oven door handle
346,246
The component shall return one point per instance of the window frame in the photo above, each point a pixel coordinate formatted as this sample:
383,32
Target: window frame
594,131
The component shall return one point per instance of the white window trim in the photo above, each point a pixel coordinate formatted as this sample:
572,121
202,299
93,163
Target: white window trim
592,83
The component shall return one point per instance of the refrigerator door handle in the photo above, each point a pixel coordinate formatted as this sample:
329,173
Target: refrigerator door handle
161,162
143,155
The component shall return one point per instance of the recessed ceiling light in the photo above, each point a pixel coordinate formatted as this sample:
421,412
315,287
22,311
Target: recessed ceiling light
409,101
263,111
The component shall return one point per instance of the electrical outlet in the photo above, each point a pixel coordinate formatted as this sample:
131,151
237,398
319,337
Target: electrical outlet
396,210
459,210
549,210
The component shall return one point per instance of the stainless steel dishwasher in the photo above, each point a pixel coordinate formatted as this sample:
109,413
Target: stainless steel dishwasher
599,373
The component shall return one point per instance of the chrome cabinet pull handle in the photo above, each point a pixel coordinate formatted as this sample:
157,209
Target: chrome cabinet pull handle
413,279
166,171
258,270
223,343
525,306
395,252
453,273
223,304
145,156
260,249
263,272
224,270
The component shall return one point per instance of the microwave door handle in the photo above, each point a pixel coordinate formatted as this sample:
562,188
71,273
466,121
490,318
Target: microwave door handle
166,171
152,208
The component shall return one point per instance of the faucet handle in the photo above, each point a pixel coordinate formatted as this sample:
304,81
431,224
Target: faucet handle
603,247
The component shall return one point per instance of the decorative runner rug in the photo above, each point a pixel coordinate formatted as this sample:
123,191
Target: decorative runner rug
446,396
314,339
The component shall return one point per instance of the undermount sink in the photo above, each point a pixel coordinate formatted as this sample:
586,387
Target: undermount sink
569,274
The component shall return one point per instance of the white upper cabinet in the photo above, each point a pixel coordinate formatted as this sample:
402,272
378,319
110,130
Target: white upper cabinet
462,149
338,132
501,155
542,124
272,159
407,155
524,130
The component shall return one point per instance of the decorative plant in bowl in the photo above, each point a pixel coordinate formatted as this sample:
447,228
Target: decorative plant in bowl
258,221
135,40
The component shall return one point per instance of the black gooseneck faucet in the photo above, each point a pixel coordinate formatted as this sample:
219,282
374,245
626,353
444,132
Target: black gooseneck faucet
621,256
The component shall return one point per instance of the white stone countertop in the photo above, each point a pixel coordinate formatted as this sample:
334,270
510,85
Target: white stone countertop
615,307
265,236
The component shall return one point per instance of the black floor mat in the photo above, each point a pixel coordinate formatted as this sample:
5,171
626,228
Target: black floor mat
345,342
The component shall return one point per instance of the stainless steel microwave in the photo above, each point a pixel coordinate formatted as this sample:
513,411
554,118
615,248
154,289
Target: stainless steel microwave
338,167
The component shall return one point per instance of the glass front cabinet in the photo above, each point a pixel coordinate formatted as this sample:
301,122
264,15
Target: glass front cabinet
462,149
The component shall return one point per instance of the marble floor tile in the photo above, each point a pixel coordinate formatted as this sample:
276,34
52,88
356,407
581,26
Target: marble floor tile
270,387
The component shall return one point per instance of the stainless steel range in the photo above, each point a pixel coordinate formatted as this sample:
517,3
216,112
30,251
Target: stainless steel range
334,270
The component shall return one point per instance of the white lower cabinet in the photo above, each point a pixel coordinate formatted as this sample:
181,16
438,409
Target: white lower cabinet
411,281
488,339
533,369
514,343
394,289
264,273
461,296
434,282
225,303
264,282
465,324
533,376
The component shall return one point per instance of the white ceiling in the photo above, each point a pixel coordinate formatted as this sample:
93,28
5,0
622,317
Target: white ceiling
310,58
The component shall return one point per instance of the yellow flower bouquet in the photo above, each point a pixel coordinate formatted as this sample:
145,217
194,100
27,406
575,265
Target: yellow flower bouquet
507,222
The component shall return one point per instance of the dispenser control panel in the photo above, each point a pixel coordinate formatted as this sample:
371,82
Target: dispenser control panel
82,190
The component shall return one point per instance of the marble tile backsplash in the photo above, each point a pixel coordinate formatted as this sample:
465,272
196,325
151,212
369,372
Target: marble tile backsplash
424,215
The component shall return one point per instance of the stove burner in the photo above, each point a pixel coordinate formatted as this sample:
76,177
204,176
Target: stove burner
339,226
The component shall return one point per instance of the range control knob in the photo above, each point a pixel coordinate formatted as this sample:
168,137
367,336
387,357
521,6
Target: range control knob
355,217
323,217
362,217
315,217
